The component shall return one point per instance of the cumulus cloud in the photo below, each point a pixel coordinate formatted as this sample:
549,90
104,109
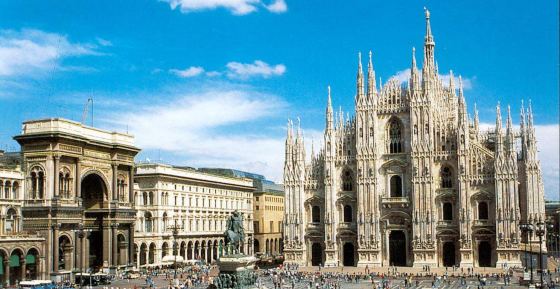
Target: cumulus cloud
278,6
188,72
210,128
236,7
404,76
256,69
548,145
30,51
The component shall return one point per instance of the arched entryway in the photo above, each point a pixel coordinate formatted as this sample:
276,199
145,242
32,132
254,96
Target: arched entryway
257,246
189,250
94,191
95,249
484,254
65,253
182,250
31,263
448,254
143,254
348,254
15,263
316,254
397,248
152,253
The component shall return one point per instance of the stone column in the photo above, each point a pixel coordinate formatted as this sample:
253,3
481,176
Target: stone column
131,243
78,178
85,250
78,254
23,268
56,160
7,270
147,253
131,199
114,245
115,167
56,248
107,244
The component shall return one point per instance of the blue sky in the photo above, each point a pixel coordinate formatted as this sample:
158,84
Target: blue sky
212,82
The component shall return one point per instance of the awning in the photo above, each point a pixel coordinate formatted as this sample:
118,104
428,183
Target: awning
172,259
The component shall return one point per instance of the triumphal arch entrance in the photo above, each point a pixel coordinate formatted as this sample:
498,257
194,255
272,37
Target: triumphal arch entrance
78,194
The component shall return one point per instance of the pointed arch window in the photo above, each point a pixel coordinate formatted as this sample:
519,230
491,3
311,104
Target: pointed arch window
347,181
446,177
395,137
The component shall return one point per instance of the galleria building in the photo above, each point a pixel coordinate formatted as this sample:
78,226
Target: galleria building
411,180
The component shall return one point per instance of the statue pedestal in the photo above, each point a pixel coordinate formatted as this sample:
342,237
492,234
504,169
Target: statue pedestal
237,271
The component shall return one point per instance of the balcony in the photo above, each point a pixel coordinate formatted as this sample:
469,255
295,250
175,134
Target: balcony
395,202
483,223
445,224
314,227
347,226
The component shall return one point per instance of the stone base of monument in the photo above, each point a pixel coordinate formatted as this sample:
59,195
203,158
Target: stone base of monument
237,271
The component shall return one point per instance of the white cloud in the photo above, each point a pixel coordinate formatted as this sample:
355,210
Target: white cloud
31,51
258,68
278,6
188,72
213,73
548,145
209,128
236,7
404,76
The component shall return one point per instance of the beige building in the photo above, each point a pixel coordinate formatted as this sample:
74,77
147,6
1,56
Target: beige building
197,203
412,180
77,195
268,223
22,255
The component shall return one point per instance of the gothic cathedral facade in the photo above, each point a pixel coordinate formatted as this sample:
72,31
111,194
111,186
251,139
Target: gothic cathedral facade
412,180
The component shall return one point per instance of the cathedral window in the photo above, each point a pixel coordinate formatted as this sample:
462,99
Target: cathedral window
316,214
347,181
447,211
7,189
446,178
395,137
483,211
396,187
347,214
15,190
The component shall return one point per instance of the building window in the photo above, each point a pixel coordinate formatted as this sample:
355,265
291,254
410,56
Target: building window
271,229
256,227
396,187
37,183
446,178
395,137
257,208
447,211
316,214
347,214
148,222
482,211
347,181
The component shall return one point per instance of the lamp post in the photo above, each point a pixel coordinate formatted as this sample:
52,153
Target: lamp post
175,231
81,234
540,231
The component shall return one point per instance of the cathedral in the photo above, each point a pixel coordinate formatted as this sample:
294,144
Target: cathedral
412,180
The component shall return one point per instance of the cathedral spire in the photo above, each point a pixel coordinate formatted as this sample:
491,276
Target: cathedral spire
360,80
509,132
476,121
414,77
329,110
498,130
371,89
451,82
428,68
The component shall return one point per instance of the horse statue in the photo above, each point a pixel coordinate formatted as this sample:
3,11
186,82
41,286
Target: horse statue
234,234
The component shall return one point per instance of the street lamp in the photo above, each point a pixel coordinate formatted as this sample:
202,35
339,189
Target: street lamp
528,229
81,234
540,231
175,231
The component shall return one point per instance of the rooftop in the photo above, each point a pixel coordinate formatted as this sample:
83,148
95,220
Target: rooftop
65,126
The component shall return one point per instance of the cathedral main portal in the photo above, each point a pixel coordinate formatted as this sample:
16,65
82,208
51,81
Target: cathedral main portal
397,248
